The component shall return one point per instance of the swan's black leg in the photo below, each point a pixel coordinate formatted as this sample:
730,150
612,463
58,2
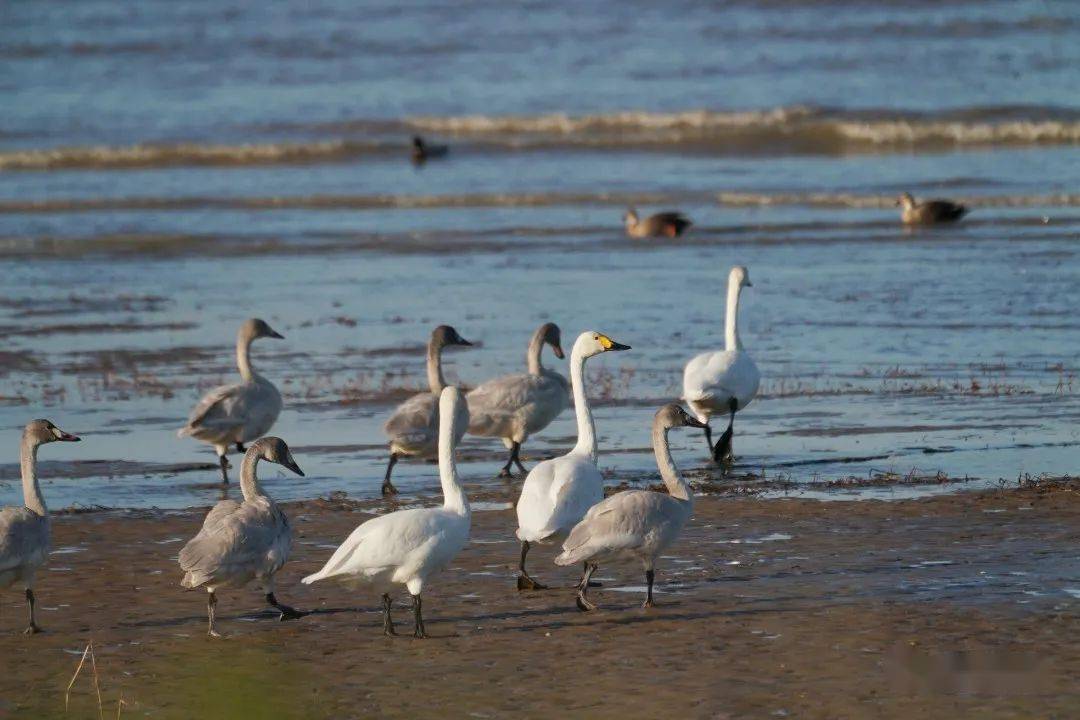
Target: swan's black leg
387,621
723,453
33,628
524,581
240,447
387,486
224,463
418,618
287,613
515,455
708,437
211,612
583,603
649,576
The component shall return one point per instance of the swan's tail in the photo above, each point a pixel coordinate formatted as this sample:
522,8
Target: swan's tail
185,431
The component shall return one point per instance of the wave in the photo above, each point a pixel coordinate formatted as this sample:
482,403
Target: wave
797,127
787,130
513,200
189,154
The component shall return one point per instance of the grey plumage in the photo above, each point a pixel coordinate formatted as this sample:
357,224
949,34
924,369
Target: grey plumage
238,413
413,428
243,541
635,523
25,532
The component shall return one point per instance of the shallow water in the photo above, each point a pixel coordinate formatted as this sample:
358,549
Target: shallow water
168,170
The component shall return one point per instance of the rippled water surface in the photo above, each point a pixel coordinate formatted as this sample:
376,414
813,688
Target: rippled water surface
168,169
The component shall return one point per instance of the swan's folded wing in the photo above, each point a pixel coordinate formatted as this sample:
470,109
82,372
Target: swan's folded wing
218,408
19,531
234,536
415,420
576,488
380,543
620,522
493,404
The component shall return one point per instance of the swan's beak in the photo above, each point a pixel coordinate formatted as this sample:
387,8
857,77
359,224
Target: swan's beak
291,464
276,334
557,349
68,437
749,284
608,344
693,422
463,341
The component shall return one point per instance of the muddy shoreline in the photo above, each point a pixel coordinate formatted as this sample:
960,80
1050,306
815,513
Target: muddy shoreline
960,604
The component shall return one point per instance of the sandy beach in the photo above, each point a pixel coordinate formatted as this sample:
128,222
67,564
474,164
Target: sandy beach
932,608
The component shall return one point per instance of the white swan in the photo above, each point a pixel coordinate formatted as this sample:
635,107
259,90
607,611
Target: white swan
557,492
243,541
24,531
513,407
636,523
236,414
726,380
407,547
413,429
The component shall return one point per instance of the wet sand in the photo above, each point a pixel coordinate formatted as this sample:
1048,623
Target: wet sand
940,607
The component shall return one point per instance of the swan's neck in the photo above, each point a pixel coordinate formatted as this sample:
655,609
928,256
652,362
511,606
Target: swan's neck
249,482
243,358
536,346
732,340
676,486
434,368
31,490
454,497
586,430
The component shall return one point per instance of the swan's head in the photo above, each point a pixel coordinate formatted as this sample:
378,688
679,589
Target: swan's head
256,328
630,218
445,335
39,432
673,415
273,449
905,201
591,343
550,333
739,277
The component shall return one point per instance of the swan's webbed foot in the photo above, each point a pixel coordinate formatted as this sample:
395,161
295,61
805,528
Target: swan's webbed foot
526,582
32,629
583,603
287,613
240,447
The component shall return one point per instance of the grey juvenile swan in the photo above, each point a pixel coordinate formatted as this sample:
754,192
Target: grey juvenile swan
243,541
235,414
413,429
513,407
636,523
24,531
